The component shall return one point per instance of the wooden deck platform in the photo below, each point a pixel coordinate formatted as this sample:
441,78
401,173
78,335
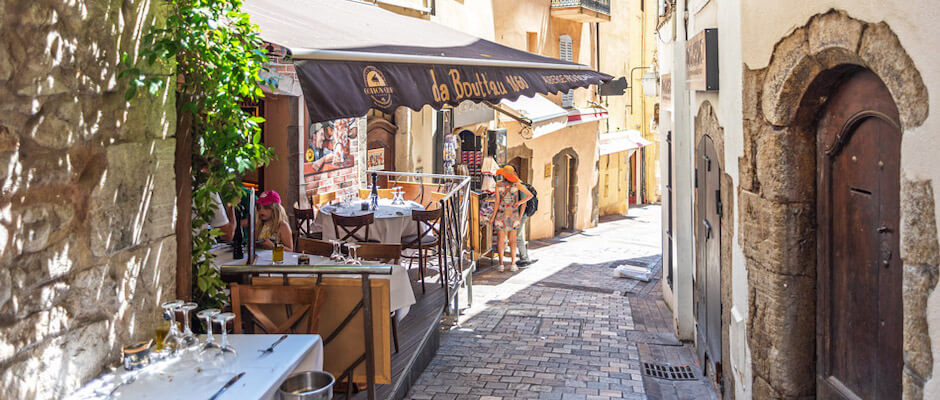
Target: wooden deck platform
419,337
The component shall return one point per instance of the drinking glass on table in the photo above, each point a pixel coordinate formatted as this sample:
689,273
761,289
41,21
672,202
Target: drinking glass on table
398,196
337,254
169,338
353,254
207,315
224,347
188,339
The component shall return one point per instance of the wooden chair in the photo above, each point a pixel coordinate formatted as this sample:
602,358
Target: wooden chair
305,218
299,302
350,226
410,191
314,247
428,223
385,253
322,199
383,193
435,200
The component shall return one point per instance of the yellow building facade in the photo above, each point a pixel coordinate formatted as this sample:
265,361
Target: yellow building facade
627,47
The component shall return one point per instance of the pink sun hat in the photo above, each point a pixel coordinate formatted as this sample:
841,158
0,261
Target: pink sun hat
268,197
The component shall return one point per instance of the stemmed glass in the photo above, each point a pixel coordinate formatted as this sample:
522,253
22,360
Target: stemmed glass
207,315
398,196
337,254
172,342
188,339
353,254
223,319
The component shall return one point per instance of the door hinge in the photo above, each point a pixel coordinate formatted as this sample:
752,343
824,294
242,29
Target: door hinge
708,163
696,178
718,202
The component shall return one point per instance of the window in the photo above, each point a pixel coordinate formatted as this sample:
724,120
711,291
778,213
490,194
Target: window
566,52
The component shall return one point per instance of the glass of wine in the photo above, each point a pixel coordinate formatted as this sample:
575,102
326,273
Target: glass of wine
225,347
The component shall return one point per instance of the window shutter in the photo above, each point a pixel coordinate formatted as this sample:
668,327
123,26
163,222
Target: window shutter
566,51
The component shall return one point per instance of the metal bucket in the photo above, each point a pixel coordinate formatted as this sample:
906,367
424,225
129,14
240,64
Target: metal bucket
307,385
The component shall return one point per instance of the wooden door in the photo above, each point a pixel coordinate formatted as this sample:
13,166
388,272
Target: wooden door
708,256
560,192
859,313
381,135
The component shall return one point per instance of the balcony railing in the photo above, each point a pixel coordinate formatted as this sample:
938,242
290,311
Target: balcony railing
582,10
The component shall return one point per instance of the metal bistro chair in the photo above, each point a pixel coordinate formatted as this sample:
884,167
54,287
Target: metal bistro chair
350,226
428,238
299,302
314,247
385,253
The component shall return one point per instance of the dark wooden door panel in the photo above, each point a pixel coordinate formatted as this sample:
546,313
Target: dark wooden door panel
707,283
859,314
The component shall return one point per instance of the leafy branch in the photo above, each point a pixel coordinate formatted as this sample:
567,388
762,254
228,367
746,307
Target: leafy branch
218,58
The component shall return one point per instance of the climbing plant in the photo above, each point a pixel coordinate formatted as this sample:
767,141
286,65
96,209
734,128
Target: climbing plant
216,56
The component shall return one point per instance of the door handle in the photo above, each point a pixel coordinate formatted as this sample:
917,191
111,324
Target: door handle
708,229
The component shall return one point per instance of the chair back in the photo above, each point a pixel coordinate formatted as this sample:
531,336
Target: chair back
302,304
305,219
385,193
435,200
385,253
428,223
350,226
319,200
314,247
410,190
364,193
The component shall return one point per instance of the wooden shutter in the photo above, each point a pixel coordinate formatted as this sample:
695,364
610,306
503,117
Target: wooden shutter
566,52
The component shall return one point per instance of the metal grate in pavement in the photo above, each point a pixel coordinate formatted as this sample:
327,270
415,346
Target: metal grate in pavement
669,372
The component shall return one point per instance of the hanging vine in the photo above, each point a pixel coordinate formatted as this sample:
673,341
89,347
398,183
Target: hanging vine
217,54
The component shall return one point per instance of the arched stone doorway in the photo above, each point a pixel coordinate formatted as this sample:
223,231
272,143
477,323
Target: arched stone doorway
380,134
784,232
564,189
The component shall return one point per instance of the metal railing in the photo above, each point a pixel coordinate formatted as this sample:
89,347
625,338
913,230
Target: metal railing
458,267
602,6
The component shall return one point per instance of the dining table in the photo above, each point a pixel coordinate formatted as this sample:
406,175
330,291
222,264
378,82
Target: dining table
401,293
391,222
199,375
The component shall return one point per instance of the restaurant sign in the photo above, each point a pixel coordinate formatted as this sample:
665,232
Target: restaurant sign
701,57
665,90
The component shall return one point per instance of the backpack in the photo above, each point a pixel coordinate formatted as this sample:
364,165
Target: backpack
532,205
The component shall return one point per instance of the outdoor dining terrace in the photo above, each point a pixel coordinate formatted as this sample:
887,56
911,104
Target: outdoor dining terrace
364,303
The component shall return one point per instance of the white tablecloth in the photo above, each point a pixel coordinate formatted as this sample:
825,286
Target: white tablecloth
401,294
190,378
392,222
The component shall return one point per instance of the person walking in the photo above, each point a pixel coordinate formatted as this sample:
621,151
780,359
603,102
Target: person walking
511,196
522,238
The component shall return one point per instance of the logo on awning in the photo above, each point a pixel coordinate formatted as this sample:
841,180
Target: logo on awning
376,87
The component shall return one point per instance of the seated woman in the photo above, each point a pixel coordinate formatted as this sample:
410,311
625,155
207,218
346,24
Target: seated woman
272,226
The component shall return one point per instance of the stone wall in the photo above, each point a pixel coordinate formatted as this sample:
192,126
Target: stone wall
777,197
87,245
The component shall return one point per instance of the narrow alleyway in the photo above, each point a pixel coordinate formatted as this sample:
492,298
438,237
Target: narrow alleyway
566,327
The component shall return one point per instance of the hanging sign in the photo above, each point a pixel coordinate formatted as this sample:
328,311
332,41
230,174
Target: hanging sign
701,58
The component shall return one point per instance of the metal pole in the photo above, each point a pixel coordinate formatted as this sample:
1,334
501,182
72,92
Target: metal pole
367,325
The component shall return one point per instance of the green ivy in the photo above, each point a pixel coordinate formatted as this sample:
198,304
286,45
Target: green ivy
218,56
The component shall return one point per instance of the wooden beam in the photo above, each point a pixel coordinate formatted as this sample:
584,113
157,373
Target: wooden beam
184,206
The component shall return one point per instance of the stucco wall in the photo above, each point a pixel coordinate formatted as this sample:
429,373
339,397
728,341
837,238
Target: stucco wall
87,205
582,139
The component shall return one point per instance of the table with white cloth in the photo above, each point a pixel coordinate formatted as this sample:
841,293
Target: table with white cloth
392,222
195,375
402,296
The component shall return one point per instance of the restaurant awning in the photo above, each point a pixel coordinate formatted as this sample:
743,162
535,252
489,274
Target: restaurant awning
615,142
587,114
351,57
539,114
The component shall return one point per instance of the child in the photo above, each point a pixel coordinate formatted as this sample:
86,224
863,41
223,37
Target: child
272,223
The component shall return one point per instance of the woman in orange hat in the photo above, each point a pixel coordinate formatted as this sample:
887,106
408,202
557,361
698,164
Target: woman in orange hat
511,196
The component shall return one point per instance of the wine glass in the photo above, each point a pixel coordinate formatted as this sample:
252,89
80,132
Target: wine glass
397,196
353,254
337,254
207,315
172,342
223,319
188,339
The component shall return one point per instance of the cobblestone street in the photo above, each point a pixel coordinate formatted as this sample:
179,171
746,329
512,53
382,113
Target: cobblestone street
567,327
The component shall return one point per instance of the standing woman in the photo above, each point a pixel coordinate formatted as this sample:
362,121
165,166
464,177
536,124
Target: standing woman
511,197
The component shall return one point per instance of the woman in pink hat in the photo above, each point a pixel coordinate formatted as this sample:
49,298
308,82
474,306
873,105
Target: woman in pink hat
272,226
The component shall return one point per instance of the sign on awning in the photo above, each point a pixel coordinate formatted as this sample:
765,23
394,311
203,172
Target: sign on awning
351,57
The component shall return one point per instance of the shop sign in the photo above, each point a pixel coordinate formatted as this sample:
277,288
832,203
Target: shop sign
701,57
470,113
375,159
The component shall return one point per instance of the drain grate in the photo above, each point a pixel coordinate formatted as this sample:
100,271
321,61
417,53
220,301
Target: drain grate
668,372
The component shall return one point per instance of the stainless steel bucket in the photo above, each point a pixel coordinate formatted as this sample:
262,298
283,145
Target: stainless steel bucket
307,385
